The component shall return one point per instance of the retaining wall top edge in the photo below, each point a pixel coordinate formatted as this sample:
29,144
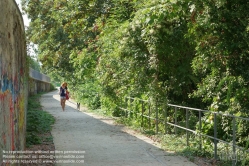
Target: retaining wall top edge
36,75
19,11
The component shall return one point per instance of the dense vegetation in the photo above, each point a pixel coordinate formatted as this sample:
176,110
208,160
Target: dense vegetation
185,52
38,122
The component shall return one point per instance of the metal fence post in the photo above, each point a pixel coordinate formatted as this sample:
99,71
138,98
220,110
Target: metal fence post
234,141
200,147
136,106
187,126
122,103
133,108
149,114
156,117
130,108
126,112
165,118
142,123
215,136
175,128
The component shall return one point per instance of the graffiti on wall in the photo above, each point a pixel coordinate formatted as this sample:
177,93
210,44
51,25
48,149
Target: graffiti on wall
13,79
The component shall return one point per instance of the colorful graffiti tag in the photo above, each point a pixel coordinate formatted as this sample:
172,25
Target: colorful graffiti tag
13,79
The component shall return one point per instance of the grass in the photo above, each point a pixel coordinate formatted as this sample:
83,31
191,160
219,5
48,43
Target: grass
39,122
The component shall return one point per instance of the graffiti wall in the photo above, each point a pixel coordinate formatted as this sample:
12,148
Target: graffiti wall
13,78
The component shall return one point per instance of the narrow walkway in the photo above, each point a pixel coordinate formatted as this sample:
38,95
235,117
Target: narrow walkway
104,143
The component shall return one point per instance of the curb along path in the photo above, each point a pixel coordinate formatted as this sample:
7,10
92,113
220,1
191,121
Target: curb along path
97,141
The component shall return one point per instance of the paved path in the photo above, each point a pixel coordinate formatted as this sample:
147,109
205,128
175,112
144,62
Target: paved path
104,143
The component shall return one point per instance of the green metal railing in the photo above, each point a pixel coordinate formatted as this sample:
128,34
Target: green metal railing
143,108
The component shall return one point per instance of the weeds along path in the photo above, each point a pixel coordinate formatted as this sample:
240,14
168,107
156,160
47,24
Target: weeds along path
104,142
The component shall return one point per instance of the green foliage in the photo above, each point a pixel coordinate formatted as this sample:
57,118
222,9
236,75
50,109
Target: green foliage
192,53
87,93
33,63
128,47
38,121
219,31
52,87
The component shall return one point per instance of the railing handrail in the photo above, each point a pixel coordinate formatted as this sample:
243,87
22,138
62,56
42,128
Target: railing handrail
232,143
36,75
197,109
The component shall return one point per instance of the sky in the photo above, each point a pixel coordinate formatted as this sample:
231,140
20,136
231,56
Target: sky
25,18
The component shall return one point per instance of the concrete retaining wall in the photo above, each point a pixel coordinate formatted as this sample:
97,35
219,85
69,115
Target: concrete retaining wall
38,82
16,79
13,79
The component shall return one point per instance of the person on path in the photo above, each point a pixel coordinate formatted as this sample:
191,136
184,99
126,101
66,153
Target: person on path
63,91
